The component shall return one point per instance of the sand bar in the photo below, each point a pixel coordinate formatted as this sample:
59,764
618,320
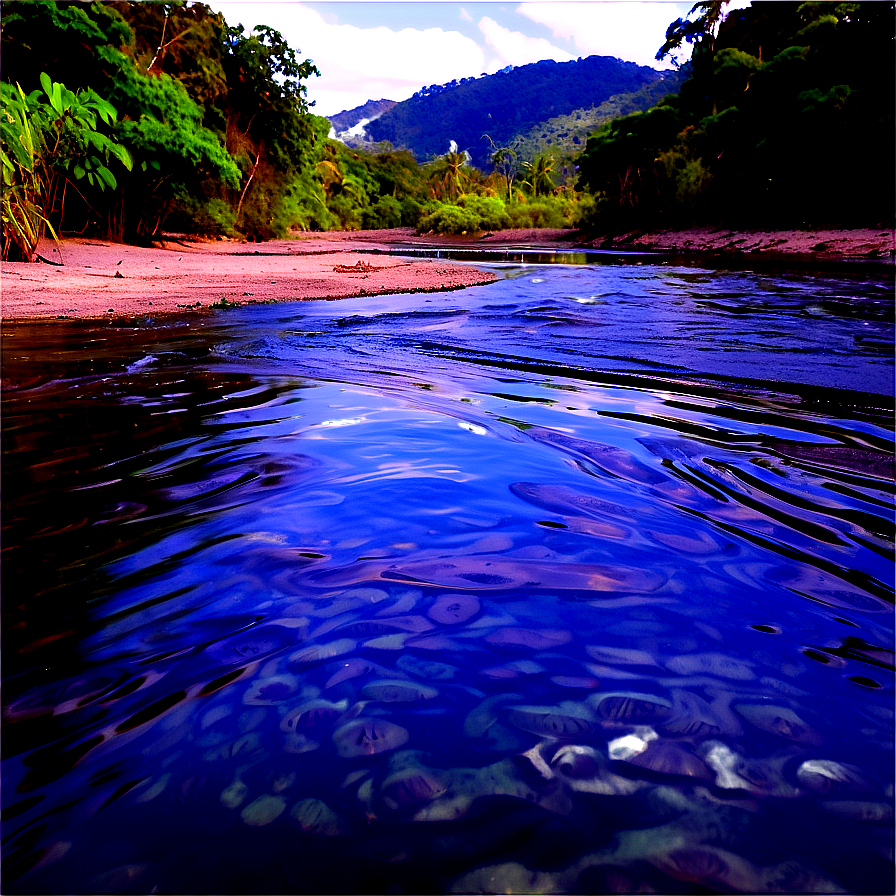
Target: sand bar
98,279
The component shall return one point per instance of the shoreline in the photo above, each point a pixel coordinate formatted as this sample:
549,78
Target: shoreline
100,280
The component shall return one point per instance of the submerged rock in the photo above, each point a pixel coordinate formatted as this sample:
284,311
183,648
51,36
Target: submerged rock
668,758
313,816
624,708
263,810
547,721
272,690
827,776
778,720
396,691
367,737
711,664
452,609
412,787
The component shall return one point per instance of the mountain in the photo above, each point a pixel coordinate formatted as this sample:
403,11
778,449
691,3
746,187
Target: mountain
351,123
503,105
564,135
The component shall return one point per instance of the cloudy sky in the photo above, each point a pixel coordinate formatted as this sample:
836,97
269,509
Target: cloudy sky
388,49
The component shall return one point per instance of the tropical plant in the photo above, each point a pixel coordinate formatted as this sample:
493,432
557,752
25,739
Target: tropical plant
21,208
448,175
540,175
75,149
51,139
504,162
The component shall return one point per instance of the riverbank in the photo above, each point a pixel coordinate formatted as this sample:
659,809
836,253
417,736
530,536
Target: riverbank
825,245
96,279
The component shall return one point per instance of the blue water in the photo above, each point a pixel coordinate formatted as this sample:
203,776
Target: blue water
576,582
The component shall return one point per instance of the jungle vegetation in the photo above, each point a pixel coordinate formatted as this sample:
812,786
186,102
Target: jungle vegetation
785,122
121,119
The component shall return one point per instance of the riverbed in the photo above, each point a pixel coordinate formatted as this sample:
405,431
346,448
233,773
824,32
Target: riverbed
580,581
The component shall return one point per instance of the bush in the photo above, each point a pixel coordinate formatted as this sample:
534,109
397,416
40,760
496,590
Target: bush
447,218
489,210
386,212
206,217
412,211
546,211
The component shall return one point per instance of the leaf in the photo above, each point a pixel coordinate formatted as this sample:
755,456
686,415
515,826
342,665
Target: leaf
79,172
56,98
106,175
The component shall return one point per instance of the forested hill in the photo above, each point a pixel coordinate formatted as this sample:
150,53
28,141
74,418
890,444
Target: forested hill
504,104
344,121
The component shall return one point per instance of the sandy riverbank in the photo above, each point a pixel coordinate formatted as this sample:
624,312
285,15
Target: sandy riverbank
99,279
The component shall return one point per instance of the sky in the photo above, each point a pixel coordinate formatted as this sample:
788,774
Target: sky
388,49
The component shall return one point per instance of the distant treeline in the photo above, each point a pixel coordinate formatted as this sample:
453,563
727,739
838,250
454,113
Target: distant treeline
122,118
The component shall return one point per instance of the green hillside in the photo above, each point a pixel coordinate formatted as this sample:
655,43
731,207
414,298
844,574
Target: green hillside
565,135
503,105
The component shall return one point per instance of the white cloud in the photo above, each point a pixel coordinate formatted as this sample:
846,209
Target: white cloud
464,15
515,48
359,64
631,31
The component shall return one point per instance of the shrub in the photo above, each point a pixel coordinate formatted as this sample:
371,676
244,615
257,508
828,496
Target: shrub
386,212
447,218
489,210
546,211
411,211
207,217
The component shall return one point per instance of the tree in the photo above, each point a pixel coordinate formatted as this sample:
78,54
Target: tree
503,161
786,121
540,174
447,175
700,31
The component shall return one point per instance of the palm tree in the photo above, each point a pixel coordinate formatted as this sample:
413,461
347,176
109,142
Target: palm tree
540,174
503,160
447,175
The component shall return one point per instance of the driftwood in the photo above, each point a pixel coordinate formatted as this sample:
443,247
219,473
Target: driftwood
362,267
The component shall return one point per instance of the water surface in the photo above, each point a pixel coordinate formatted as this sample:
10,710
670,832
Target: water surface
576,582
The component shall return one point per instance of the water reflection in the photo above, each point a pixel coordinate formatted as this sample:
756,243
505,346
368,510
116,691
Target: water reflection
420,594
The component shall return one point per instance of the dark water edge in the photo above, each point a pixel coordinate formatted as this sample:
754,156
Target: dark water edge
577,582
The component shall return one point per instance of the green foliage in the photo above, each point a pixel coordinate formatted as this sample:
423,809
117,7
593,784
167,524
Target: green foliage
473,213
544,211
448,218
490,211
786,121
21,157
204,217
184,42
564,136
385,213
51,138
540,175
448,175
503,105
210,115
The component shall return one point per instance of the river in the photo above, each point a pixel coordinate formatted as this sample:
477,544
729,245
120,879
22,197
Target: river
576,582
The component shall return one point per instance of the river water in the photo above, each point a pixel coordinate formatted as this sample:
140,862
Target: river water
577,582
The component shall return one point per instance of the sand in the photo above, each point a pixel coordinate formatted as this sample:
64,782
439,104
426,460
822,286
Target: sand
102,280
